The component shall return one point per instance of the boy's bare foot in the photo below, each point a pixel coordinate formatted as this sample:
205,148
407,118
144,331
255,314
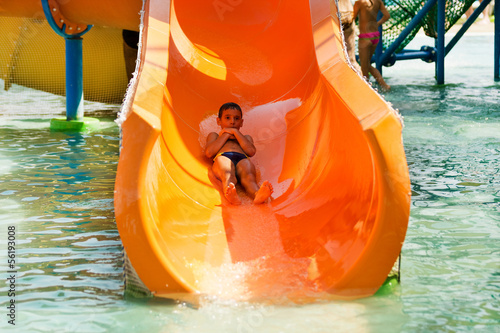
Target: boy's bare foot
231,194
264,192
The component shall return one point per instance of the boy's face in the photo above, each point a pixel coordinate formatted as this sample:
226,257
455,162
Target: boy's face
231,118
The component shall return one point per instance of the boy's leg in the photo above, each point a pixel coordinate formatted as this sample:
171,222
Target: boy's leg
247,174
224,169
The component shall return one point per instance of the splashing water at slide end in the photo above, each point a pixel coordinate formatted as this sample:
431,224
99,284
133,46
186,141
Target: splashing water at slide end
328,143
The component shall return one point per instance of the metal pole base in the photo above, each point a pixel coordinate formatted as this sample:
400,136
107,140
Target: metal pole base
86,124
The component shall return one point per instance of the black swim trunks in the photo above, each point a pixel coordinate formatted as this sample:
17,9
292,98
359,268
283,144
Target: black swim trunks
235,157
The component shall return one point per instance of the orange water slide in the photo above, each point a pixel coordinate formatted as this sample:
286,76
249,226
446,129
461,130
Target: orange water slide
329,144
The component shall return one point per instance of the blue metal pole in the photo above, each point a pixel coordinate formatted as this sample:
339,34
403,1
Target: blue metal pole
74,79
406,31
497,43
466,25
424,55
380,47
74,64
440,41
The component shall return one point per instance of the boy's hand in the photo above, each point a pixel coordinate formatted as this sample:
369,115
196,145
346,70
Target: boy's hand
230,131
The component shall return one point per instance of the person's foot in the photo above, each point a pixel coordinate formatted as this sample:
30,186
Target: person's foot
485,20
264,192
385,87
231,194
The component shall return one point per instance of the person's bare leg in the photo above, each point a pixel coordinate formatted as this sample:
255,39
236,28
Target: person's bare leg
247,173
469,12
350,41
366,51
486,18
224,169
365,55
380,80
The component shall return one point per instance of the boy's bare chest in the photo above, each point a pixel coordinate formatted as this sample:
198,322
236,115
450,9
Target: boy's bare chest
231,145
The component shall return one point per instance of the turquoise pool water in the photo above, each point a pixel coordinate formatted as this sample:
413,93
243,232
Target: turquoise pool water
57,190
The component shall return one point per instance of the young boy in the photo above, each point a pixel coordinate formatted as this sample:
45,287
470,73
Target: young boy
369,35
230,151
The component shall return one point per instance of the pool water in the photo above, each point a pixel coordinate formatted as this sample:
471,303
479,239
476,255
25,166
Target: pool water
57,190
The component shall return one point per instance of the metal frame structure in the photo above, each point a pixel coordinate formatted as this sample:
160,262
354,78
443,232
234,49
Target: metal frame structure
437,53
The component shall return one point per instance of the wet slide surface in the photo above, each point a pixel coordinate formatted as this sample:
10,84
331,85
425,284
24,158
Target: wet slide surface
328,143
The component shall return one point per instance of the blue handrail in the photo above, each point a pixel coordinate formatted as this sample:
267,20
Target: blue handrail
60,31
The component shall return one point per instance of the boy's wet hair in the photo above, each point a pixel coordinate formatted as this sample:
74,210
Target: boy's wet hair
227,106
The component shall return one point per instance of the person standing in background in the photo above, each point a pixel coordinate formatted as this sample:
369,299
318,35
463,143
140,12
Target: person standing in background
369,36
349,29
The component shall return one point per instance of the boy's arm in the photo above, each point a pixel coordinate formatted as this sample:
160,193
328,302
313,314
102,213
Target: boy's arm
245,141
215,143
